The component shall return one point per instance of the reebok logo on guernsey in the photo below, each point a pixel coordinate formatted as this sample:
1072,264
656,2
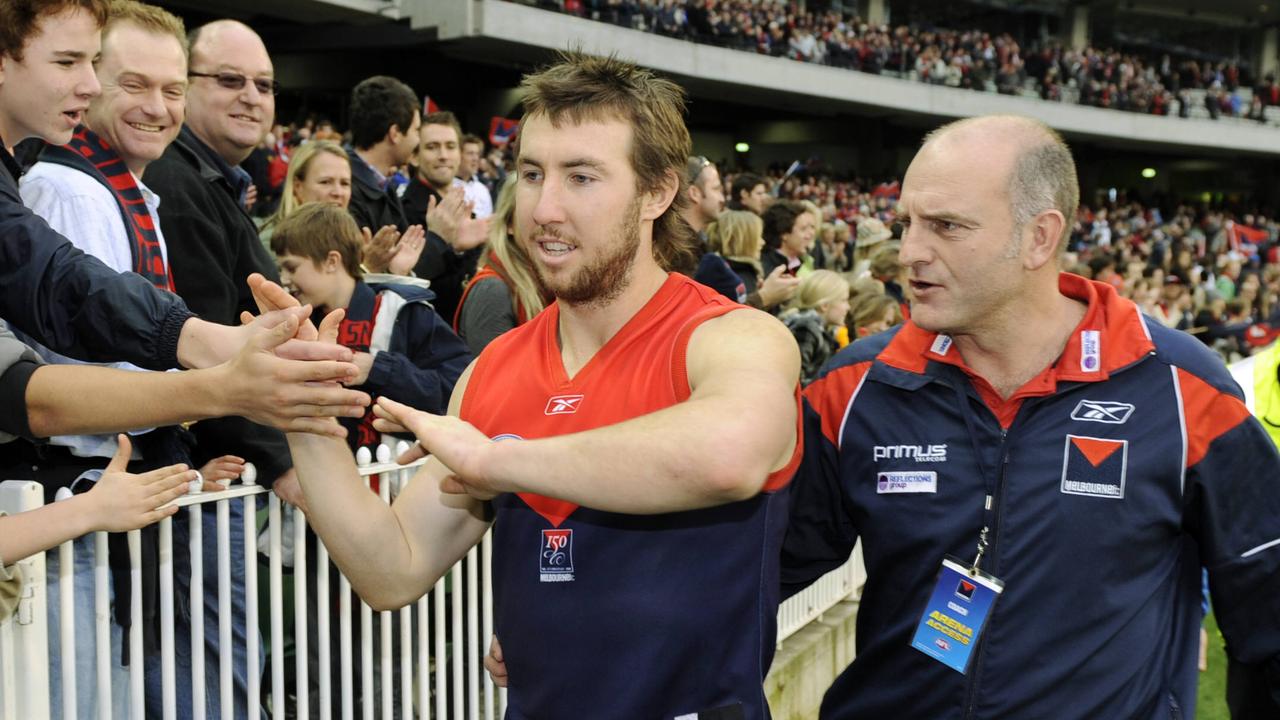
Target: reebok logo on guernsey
919,453
563,404
1103,411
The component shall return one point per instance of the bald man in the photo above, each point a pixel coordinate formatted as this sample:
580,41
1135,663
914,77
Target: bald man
1036,471
213,247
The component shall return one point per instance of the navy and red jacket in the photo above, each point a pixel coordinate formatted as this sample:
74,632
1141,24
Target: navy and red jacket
1114,476
417,358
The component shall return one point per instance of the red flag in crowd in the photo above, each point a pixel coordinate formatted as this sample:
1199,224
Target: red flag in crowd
887,189
502,130
429,106
1244,239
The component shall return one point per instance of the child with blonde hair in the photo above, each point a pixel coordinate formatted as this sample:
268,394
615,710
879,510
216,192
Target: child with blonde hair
814,315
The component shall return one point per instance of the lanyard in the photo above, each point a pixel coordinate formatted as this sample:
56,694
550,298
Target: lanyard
966,409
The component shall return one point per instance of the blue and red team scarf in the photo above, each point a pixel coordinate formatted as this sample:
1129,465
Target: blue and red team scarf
356,333
93,156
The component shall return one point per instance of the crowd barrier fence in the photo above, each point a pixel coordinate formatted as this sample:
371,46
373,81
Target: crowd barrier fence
433,669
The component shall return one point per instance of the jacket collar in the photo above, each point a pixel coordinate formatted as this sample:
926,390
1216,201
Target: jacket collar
11,167
362,302
1111,336
364,174
25,154
212,167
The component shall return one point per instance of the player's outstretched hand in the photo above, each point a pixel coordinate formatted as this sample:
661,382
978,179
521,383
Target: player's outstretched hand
457,444
122,501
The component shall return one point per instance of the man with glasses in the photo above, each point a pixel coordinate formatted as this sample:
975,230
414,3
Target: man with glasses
213,247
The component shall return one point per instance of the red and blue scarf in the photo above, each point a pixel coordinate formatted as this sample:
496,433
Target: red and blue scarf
91,155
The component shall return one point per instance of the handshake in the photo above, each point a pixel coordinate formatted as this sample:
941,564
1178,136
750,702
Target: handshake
287,373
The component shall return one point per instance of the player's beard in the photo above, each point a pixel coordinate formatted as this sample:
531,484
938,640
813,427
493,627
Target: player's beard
602,281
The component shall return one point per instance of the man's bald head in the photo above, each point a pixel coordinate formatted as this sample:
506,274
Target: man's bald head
231,101
1041,171
208,37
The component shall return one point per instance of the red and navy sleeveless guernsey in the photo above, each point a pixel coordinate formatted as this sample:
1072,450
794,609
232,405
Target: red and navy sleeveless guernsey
606,615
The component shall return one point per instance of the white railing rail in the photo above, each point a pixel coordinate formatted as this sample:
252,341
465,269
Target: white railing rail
828,591
431,669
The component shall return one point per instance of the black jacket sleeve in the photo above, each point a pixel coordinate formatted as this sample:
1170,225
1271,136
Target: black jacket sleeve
1253,691
820,535
213,247
213,244
17,363
74,304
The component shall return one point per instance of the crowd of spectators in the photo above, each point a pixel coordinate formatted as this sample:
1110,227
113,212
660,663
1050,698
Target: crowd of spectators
1208,270
969,59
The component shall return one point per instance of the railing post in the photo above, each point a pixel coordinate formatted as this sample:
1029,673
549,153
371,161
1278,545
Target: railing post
29,626
67,618
254,690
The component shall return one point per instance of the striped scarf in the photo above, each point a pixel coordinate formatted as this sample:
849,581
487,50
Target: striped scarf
92,155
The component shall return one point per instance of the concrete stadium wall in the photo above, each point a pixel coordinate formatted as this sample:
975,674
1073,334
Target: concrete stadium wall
809,661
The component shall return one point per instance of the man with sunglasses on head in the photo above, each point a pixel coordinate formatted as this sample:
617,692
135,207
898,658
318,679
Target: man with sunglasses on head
213,247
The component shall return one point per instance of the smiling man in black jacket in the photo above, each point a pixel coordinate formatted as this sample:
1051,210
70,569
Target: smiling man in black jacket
213,248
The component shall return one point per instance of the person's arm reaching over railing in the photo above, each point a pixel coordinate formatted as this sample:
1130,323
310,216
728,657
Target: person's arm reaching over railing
119,501
255,383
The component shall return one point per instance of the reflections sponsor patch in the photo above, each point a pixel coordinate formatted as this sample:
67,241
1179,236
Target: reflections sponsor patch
906,482
563,405
1103,411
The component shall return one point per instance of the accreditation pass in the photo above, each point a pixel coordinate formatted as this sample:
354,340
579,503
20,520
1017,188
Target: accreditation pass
957,611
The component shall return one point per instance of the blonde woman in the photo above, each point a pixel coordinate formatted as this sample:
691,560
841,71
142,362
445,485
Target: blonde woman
505,292
818,309
320,171
738,236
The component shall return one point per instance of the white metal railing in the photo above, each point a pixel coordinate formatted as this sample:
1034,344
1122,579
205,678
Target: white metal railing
436,671
458,689
830,590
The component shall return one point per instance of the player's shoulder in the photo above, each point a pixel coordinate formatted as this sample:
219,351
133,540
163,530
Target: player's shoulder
744,325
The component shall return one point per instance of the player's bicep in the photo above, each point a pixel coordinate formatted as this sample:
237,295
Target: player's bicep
747,362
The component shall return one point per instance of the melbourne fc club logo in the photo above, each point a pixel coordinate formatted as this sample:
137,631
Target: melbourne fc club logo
555,560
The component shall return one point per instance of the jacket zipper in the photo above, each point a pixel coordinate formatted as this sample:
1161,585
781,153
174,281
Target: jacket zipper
971,678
